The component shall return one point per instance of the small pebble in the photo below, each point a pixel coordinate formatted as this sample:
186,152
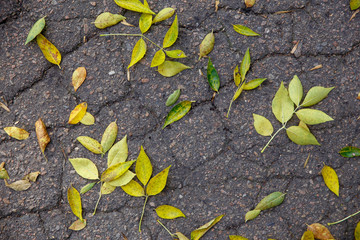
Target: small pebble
111,73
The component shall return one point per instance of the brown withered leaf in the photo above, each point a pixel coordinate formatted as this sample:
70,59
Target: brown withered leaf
354,14
320,231
316,67
217,2
4,107
42,135
78,77
31,176
295,47
20,185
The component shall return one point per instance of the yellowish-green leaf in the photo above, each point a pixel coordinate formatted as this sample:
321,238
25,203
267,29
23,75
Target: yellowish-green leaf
91,144
106,188
253,83
35,30
315,95
320,231
158,59
313,116
143,167
181,236
301,136
238,92
50,52
138,52
207,44
282,106
250,215
74,199
173,98
123,179
31,176
236,237
249,3
237,76
134,5
87,187
169,212
354,4
171,68
262,125
175,54
78,113
177,112
308,235
157,183
357,231
85,168
107,19
3,173
20,185
109,137
245,30
272,200
145,20
163,14
78,77
304,126
331,179
172,34
115,171
88,119
295,90
198,233
245,64
17,133
78,225
118,153
134,189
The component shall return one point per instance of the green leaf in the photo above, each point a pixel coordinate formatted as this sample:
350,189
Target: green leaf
331,179
172,34
301,136
173,98
74,199
235,237
158,59
245,64
237,76
78,225
171,68
308,235
198,233
213,77
107,19
272,200
315,95
87,187
350,152
312,116
245,30
282,106
295,90
118,153
85,168
138,52
123,179
175,54
91,144
145,20
88,119
262,125
134,5
177,112
357,231
207,44
253,83
106,188
109,137
35,30
169,212
143,168
115,171
157,183
163,14
354,4
134,189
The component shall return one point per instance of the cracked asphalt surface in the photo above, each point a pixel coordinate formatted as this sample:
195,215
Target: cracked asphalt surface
217,167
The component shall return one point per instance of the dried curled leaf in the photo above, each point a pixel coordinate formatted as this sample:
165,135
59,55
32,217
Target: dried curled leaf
143,168
78,113
17,133
118,153
74,200
157,183
78,77
35,30
20,185
107,19
78,225
134,189
90,144
115,171
134,5
173,98
312,116
163,14
171,68
31,176
320,231
207,44
331,179
172,34
109,137
272,200
138,52
301,136
85,168
350,152
177,112
42,135
262,125
198,233
169,212
282,106
245,30
50,52
88,119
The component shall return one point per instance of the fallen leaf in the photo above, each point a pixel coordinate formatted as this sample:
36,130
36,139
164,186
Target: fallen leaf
272,200
85,168
163,14
118,153
301,136
78,113
78,225
320,231
245,64
169,212
295,90
237,76
138,52
249,3
207,44
253,84
354,4
31,176
42,135
181,236
17,133
134,189
134,5
106,188
90,144
315,95
172,34
3,173
316,67
282,106
235,237
87,187
262,125
35,30
145,20
312,116
115,171
198,233
88,119
74,200
281,12
143,168
350,152
243,30
213,77
50,52
20,185
78,77
123,179
331,179
177,112
158,182
173,98
109,137
107,19
175,54
158,59
308,235
171,68
357,231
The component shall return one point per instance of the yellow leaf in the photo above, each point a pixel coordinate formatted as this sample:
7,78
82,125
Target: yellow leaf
207,44
312,116
238,92
134,189
175,54
78,113
42,135
295,90
109,137
74,199
181,236
171,68
331,179
237,76
308,235
88,119
301,136
20,185
17,133
145,20
158,59
31,176
78,225
78,77
107,19
123,179
115,171
304,126
143,168
169,212
235,237
357,231
118,153
91,144
282,106
163,14
134,5
138,52
106,188
198,233
85,168
262,125
49,50
315,95
157,183
249,3
172,34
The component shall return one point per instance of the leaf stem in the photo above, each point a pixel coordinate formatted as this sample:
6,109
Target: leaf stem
152,42
241,85
142,214
172,235
343,219
272,137
97,203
